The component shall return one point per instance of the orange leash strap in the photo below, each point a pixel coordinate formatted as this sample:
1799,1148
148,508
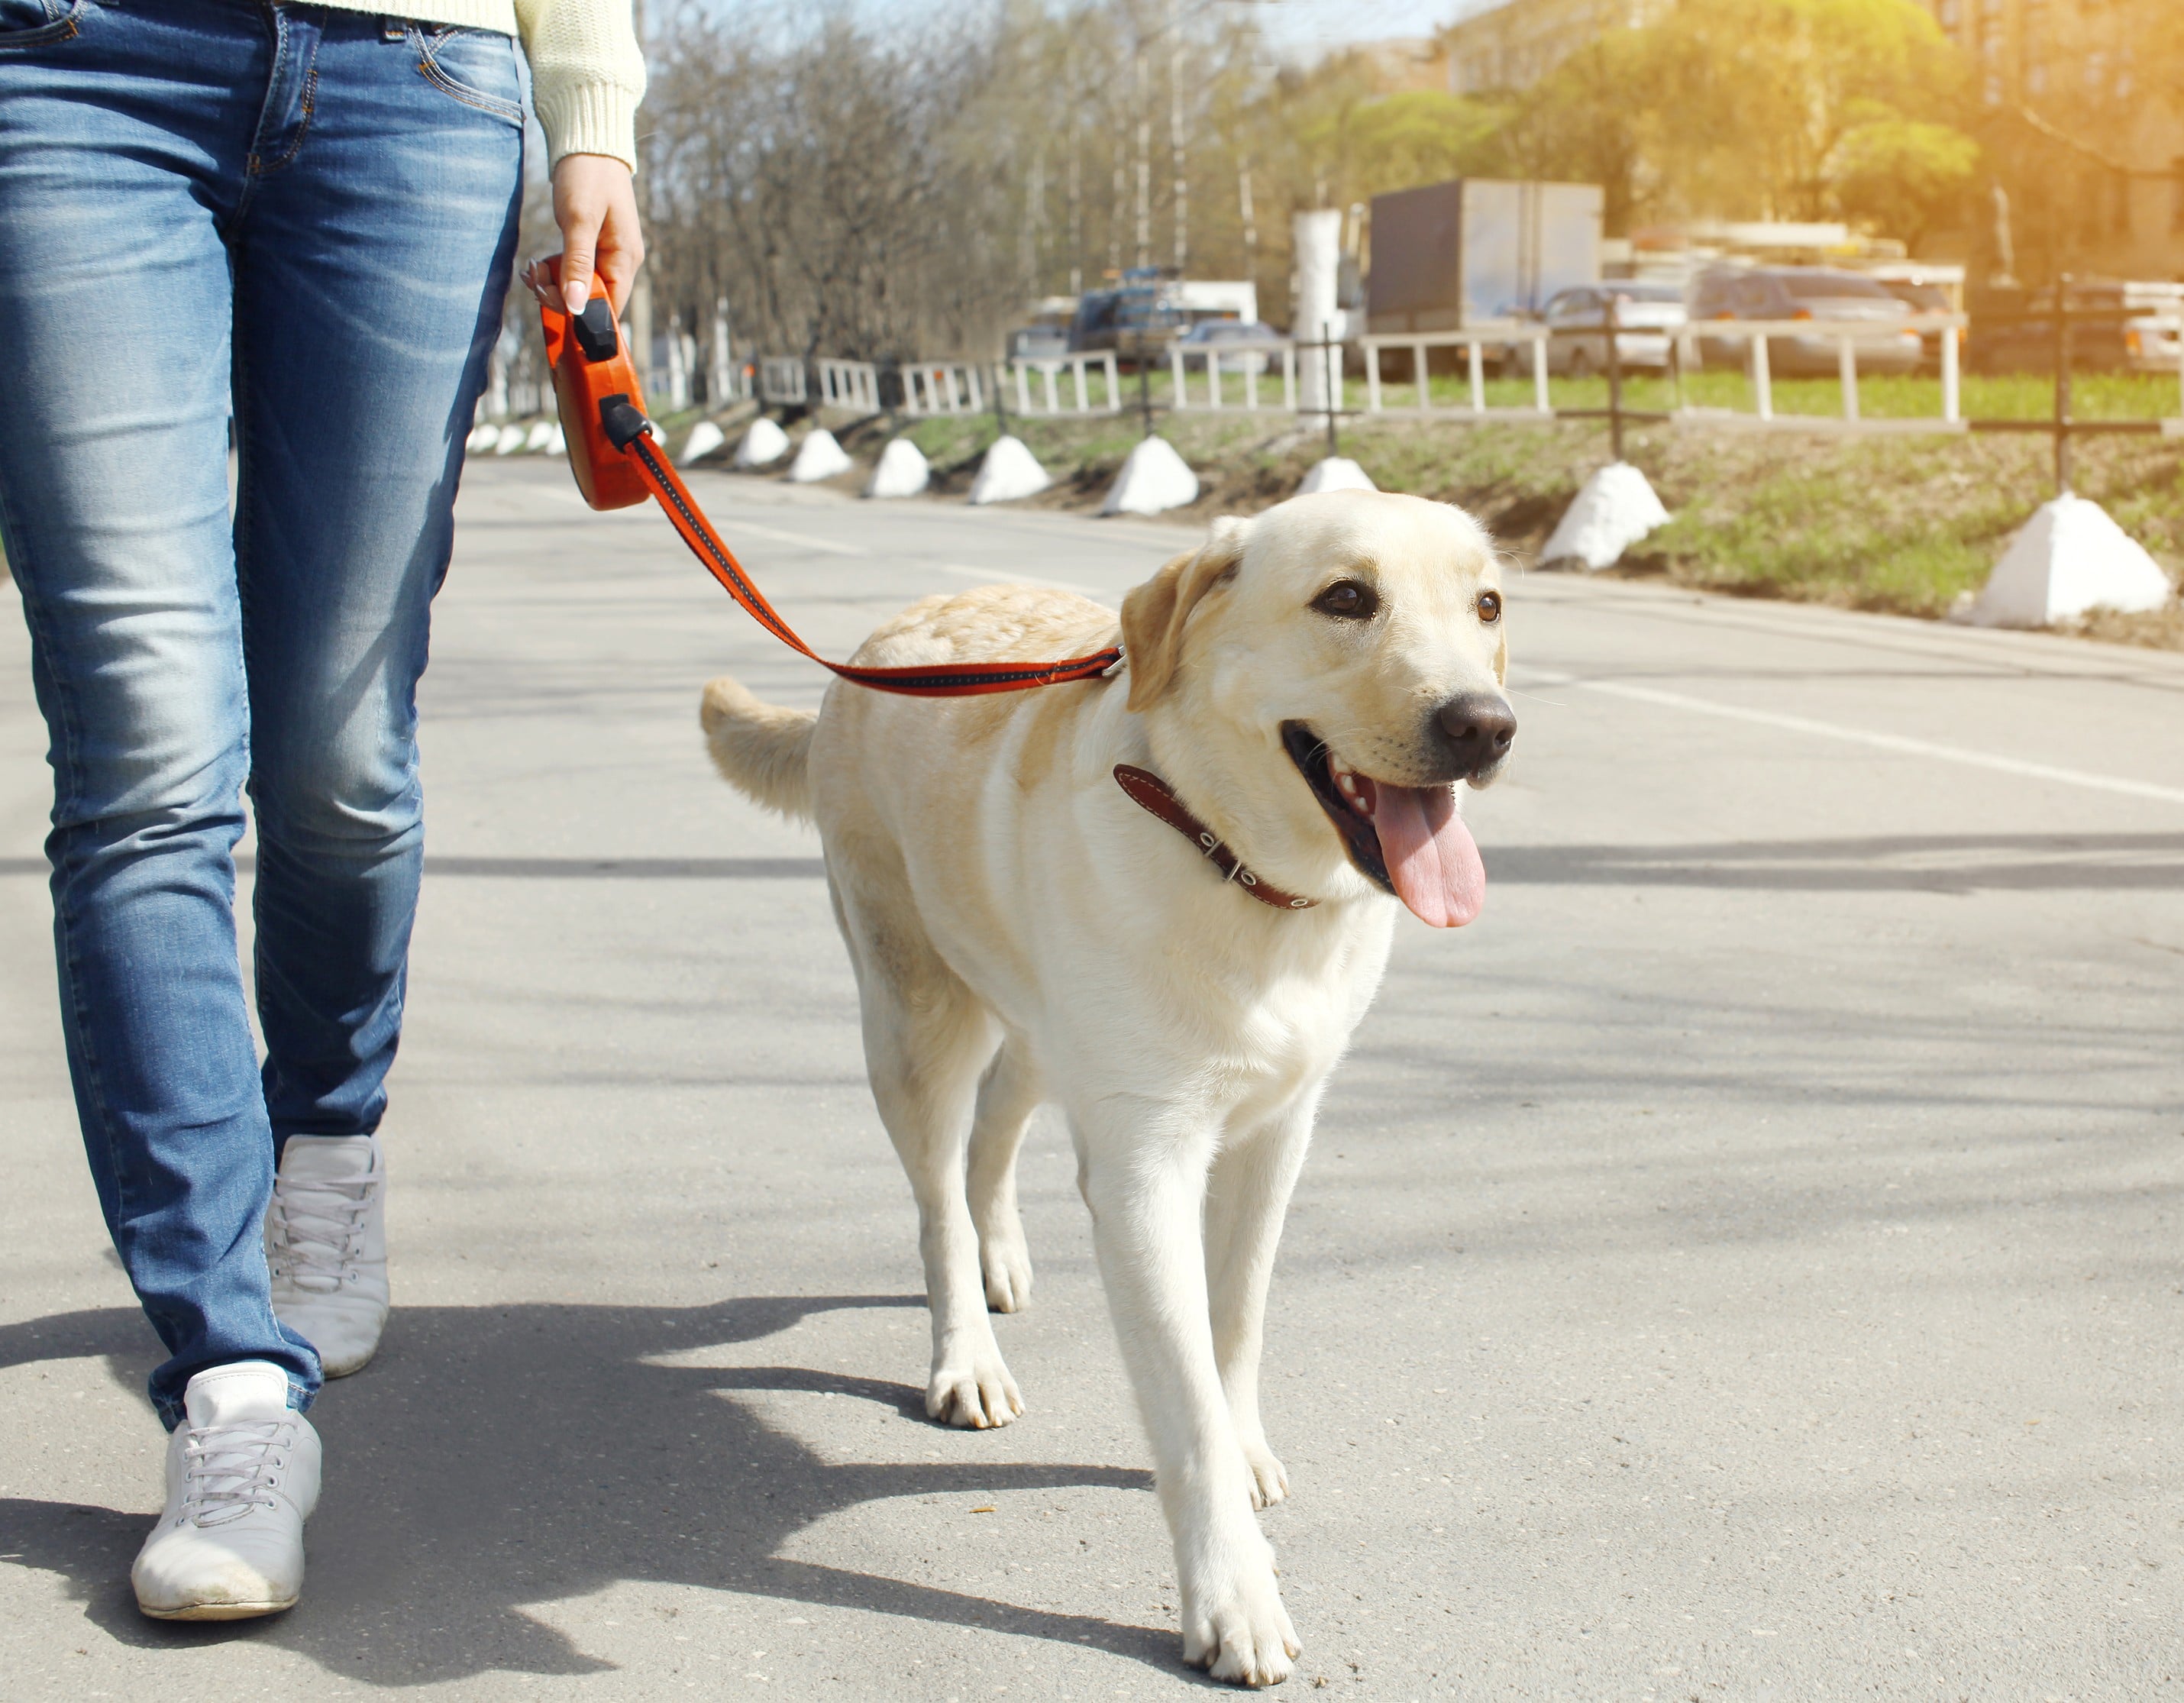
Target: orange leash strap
617,462
954,680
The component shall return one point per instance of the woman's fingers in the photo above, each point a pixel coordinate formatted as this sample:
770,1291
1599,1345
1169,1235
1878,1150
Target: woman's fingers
539,279
595,205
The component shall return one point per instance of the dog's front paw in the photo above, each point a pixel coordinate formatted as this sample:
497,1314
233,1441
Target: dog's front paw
1270,1483
1004,1259
975,1397
1241,1634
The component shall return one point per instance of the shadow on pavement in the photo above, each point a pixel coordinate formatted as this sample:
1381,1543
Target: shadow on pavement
499,1457
1926,863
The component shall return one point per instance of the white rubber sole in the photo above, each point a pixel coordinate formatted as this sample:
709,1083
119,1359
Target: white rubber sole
219,1610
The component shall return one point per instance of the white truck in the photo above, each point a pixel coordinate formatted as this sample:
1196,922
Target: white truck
1450,255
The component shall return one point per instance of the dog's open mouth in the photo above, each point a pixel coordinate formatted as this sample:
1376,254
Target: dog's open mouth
1409,839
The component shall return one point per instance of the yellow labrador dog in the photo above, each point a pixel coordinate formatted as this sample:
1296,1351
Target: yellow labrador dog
1162,901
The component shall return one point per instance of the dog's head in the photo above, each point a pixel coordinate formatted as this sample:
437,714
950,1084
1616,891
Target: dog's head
1318,680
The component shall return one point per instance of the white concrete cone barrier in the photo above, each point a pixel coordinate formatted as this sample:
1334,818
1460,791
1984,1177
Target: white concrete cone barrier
704,439
903,471
1615,510
1009,473
540,437
818,457
2068,559
1336,473
763,445
1155,479
510,440
482,437
558,444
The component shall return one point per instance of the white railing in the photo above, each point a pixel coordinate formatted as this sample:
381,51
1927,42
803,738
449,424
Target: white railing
941,387
1048,398
781,379
1506,333
2173,326
732,382
1245,366
1473,340
849,384
1846,337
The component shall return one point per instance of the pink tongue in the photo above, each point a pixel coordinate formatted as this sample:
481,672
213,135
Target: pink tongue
1430,854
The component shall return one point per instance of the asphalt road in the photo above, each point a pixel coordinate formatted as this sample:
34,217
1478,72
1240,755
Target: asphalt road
1744,1265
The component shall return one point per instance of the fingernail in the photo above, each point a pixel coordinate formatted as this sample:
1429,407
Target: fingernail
575,295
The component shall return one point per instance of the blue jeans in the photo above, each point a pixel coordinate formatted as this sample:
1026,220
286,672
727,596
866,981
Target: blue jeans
302,221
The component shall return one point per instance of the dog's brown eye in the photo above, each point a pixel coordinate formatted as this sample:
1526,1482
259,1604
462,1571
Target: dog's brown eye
1349,599
1489,607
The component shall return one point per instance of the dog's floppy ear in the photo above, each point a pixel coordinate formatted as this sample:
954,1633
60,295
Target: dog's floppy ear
1154,613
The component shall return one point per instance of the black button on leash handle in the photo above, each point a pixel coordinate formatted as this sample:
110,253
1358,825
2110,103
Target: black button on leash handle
595,331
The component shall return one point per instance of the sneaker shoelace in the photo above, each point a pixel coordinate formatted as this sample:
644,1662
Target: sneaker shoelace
230,1469
318,1230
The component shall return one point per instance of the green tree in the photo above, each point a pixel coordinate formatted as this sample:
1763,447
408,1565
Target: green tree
1587,122
1902,176
1751,100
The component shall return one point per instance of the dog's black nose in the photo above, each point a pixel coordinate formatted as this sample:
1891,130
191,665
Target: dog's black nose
1478,729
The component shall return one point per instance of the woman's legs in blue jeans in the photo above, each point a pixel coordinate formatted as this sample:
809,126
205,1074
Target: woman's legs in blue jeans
182,186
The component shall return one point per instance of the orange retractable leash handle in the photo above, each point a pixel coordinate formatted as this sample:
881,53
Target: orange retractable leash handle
618,463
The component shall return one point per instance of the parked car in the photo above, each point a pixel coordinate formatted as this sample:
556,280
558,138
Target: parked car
2151,343
1922,298
1140,316
1243,345
1038,344
1647,316
2151,340
1825,295
1510,358
2014,327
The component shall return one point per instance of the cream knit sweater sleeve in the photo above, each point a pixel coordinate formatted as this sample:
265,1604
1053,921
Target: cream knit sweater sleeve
586,75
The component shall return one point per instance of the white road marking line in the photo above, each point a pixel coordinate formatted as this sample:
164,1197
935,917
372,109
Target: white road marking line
1005,577
1858,735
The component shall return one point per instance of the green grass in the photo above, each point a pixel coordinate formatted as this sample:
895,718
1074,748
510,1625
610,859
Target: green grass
2015,396
1896,523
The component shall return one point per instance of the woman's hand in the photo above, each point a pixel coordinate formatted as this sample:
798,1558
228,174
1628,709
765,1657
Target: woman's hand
595,205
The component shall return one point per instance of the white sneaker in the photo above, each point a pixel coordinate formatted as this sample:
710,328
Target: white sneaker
326,1244
242,1476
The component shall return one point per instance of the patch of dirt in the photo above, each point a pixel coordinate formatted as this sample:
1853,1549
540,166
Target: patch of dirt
2159,630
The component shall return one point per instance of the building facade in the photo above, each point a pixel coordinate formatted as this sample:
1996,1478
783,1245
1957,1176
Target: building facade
2078,106
2082,113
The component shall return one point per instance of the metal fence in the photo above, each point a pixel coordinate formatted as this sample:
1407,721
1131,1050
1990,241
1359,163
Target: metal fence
942,387
1208,378
1048,397
1242,367
849,384
782,380
1503,336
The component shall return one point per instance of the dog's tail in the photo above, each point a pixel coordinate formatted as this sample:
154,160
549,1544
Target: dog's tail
760,749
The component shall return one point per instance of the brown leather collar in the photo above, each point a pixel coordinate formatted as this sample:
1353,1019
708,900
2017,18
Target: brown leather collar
1155,795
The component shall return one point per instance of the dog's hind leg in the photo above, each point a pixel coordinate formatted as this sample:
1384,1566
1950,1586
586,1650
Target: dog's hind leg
1247,1196
926,1037
1008,1094
1142,1167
